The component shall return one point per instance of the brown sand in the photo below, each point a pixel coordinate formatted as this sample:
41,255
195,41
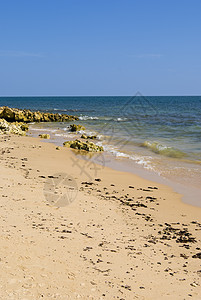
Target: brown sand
120,238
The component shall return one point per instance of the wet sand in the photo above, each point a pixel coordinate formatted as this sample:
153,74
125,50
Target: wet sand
121,237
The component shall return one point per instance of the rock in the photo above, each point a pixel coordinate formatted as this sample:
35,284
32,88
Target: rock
58,148
44,136
8,114
24,126
27,116
19,117
36,117
15,128
74,127
87,146
92,137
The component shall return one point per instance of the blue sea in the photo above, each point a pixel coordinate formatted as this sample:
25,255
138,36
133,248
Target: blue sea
159,134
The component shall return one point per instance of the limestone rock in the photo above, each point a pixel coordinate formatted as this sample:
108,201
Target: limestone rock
27,116
8,114
87,146
44,136
74,127
15,128
24,126
92,137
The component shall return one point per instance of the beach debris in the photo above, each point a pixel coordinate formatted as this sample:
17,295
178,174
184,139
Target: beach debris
18,128
198,255
87,146
76,127
128,287
44,136
27,116
180,235
194,284
152,187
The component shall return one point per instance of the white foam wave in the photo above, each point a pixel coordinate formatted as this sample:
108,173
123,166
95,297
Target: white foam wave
86,132
44,129
84,118
144,161
61,135
59,109
120,119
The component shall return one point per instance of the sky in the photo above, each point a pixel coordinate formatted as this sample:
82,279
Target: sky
100,47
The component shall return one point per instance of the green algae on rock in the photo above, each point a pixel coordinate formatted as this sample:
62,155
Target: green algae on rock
87,146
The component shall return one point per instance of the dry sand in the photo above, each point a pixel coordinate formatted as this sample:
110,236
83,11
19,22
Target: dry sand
122,237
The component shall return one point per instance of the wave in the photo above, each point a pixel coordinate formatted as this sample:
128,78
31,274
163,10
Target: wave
84,118
61,135
121,119
144,161
163,150
71,110
43,129
65,110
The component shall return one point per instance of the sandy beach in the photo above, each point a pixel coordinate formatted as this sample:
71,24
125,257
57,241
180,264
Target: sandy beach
117,236
100,150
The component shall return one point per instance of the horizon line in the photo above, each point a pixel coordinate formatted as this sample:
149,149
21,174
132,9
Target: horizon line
136,94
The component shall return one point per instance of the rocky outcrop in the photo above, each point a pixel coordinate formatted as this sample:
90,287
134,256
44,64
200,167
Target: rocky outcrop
44,136
27,116
15,127
91,137
74,127
87,146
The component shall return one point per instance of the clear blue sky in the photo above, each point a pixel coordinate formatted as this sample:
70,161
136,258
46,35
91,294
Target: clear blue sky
100,47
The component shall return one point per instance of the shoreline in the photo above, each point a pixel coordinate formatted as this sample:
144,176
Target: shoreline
118,228
190,194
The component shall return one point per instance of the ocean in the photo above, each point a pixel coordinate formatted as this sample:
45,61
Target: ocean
159,134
